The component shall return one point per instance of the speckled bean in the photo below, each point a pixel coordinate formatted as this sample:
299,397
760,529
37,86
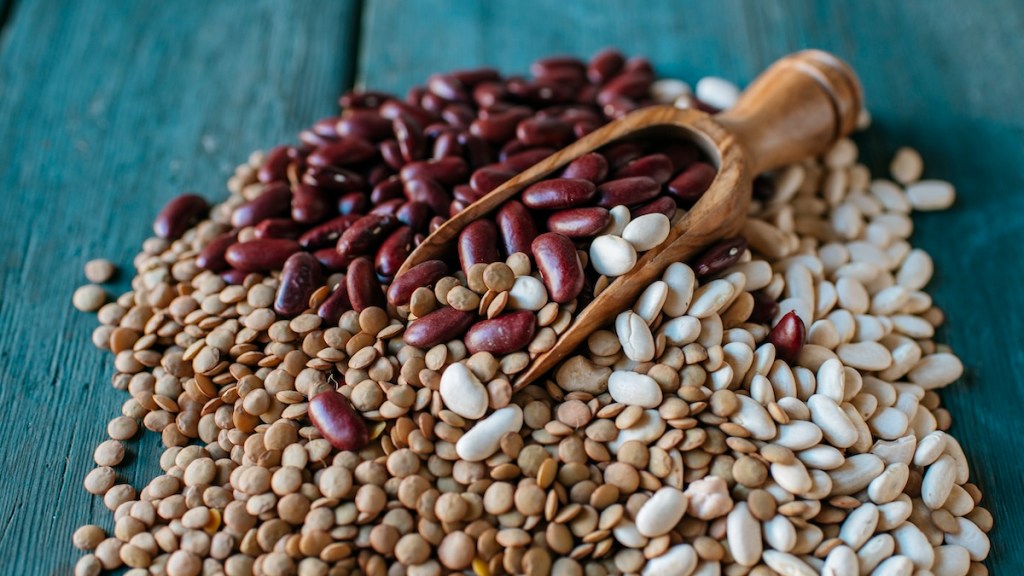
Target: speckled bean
559,266
299,278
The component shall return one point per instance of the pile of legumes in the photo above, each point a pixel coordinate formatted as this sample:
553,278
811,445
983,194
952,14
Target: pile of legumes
768,408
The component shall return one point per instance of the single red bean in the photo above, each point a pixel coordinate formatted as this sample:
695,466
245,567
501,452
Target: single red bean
410,138
447,144
558,193
488,178
429,191
550,132
416,215
478,243
309,205
352,203
523,160
517,227
438,327
395,108
300,276
345,152
179,215
473,76
391,152
278,228
655,166
275,201
682,154
511,148
449,170
421,275
692,182
211,257
788,337
765,308
605,65
275,165
393,252
627,191
260,255
363,287
553,64
719,256
622,153
591,166
365,124
387,190
327,234
447,87
338,422
331,260
502,335
661,205
333,179
559,266
632,85
579,222
500,127
335,305
365,234
233,276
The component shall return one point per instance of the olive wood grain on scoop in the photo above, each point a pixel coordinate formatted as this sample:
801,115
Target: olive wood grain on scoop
797,108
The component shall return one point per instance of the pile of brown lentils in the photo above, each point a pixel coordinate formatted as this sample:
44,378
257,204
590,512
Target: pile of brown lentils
769,408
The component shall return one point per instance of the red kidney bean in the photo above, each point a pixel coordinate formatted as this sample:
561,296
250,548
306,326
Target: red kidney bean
421,275
388,208
579,222
278,228
550,64
299,278
260,255
332,179
364,289
429,191
335,305
550,132
395,108
338,422
392,154
458,115
211,257
499,127
447,144
178,215
763,188
331,260
719,256
591,166
234,277
682,154
478,153
327,234
410,138
559,266
487,94
558,193
366,233
447,87
633,85
387,190
438,327
502,335
361,99
488,178
605,65
692,182
655,166
342,153
622,153
275,164
523,160
393,252
517,227
627,191
365,124
326,127
309,206
314,140
788,337
450,170
661,205
478,243
416,215
352,203
275,201
473,76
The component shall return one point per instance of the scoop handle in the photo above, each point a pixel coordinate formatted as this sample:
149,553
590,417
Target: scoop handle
798,107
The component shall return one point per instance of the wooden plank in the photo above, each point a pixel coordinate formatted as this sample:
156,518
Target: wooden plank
110,109
938,76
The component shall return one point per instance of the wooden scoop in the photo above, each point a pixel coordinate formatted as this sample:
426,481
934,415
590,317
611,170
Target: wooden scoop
797,108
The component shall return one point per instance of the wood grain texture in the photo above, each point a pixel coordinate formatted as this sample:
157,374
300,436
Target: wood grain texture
109,109
941,76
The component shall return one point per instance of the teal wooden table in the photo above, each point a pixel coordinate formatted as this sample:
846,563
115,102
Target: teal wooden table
109,108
